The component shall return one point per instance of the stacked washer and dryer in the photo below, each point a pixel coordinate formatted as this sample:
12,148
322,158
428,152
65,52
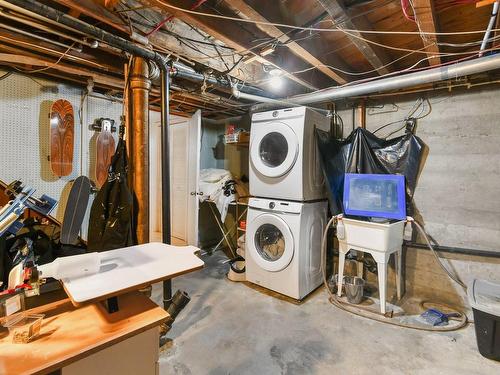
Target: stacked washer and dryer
286,218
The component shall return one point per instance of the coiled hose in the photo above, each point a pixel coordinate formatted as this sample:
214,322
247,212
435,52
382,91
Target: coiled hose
334,300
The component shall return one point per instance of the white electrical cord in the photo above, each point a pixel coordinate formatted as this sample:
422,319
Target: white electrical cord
371,315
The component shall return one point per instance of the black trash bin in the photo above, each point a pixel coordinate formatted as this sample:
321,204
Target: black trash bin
484,297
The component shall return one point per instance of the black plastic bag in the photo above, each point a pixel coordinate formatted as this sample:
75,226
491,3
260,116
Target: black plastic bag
363,152
110,224
34,242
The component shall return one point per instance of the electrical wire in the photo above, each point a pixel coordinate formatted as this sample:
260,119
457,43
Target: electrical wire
247,20
334,300
382,45
419,103
6,75
354,73
411,51
49,66
347,31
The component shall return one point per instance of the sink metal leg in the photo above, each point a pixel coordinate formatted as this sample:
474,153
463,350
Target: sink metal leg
341,272
398,261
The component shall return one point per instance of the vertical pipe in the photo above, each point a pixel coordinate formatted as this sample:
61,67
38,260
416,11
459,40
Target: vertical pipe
139,146
362,114
165,174
491,24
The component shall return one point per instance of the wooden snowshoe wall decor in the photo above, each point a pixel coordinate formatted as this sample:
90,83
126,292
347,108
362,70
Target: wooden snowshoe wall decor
62,129
105,148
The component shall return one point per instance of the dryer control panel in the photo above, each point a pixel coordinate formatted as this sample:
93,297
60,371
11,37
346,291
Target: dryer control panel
276,205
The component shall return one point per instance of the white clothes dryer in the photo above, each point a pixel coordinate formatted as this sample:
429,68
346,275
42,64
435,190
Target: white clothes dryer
284,159
283,241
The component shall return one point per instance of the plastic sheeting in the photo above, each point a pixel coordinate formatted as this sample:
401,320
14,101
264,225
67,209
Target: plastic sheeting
111,213
363,152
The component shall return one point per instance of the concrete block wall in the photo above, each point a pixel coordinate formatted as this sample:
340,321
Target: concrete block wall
457,196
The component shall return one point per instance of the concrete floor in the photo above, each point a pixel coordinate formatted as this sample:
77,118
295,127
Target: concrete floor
229,328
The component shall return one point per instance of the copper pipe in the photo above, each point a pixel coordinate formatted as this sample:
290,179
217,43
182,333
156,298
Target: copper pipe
138,135
362,114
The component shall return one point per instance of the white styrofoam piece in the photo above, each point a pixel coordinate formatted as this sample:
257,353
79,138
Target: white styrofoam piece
132,266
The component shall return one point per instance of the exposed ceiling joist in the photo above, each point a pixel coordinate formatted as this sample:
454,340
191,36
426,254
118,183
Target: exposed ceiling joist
96,11
426,20
103,79
164,42
244,10
375,56
227,34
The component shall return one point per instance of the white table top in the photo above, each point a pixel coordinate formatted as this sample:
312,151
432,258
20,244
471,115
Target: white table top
132,268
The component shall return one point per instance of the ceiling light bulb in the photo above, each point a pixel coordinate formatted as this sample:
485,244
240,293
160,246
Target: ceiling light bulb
276,82
275,72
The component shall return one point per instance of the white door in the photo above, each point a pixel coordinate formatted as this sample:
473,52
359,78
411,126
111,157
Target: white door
184,147
271,242
273,149
193,149
179,195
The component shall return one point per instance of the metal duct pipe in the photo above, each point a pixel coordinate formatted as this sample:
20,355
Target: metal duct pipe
271,103
478,65
187,73
139,145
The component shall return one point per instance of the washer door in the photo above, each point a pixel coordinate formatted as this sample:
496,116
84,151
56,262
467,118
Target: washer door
273,152
270,242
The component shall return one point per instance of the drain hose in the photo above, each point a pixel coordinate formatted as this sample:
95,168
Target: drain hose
334,300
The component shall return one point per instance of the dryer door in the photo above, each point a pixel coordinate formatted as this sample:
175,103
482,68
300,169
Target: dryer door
274,149
270,242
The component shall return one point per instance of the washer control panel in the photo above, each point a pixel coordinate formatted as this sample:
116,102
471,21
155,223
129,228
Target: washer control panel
276,205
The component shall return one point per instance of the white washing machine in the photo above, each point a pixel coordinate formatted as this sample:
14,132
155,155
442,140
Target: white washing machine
284,160
283,245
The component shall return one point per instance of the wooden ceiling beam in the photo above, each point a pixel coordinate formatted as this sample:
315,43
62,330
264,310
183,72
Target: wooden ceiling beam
377,57
96,11
38,63
23,43
224,31
426,20
245,11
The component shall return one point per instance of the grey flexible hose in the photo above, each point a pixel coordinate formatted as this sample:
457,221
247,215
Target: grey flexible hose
422,231
334,300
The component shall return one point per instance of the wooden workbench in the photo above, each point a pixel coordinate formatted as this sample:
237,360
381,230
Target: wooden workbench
88,339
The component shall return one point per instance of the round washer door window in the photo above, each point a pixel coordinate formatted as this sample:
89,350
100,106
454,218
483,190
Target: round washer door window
271,242
274,151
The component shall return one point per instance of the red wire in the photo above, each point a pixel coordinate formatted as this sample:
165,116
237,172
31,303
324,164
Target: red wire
404,7
169,18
